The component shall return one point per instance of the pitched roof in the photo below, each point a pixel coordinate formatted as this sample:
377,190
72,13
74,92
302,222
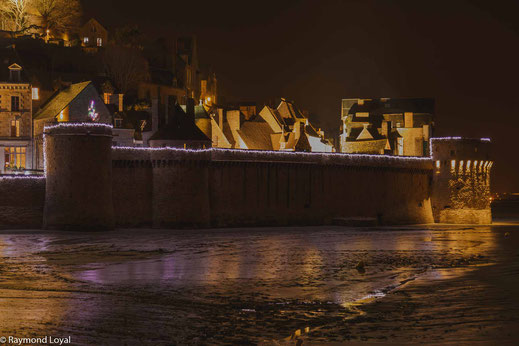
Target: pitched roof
200,112
60,101
256,135
180,127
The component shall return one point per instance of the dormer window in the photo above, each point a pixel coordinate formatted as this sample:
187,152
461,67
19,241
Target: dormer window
15,73
85,40
118,122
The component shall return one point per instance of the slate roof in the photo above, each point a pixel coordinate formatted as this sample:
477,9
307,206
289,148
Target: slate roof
256,135
180,127
60,100
200,112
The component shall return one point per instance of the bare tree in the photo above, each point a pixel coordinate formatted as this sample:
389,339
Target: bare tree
126,67
15,13
57,15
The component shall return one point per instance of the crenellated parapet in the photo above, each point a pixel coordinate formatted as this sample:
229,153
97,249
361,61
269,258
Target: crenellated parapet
461,192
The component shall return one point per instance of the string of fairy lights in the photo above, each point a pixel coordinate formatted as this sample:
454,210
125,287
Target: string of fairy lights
354,157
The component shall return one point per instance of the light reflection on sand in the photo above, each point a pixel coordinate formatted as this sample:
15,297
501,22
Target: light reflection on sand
294,270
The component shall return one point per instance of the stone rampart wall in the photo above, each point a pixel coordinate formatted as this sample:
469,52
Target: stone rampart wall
462,170
171,188
22,202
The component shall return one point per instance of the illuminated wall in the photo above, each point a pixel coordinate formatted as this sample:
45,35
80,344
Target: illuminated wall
461,191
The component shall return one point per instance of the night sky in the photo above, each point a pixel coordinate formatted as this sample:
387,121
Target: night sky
463,53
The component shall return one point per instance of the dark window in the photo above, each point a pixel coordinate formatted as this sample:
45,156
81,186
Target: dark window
15,103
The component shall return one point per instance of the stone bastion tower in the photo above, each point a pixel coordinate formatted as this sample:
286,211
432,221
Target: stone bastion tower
78,166
461,180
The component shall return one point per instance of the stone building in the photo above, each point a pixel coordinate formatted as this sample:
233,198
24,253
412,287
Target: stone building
16,96
93,34
390,126
76,103
283,128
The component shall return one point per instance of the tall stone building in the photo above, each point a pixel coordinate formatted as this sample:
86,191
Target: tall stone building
16,96
393,126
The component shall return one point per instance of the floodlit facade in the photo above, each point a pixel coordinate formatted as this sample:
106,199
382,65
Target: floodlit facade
389,126
15,121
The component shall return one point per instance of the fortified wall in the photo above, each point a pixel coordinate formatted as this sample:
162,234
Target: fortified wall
90,185
220,187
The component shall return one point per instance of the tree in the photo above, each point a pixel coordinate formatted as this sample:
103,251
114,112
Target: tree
57,15
15,14
128,36
126,67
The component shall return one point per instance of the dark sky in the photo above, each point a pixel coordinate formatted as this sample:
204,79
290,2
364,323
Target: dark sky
463,53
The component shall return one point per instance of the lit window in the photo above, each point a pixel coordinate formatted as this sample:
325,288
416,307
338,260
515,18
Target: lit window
453,165
35,93
14,157
107,98
85,40
99,42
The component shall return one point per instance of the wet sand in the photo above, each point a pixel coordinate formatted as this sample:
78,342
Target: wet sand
435,284
468,306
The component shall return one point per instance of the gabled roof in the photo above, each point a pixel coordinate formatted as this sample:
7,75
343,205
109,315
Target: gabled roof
60,101
180,127
95,22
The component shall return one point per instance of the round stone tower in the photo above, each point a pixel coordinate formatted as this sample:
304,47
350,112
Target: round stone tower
78,167
461,180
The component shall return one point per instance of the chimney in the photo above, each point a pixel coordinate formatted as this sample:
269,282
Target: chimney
190,109
154,115
426,132
234,119
299,129
220,118
386,128
409,119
